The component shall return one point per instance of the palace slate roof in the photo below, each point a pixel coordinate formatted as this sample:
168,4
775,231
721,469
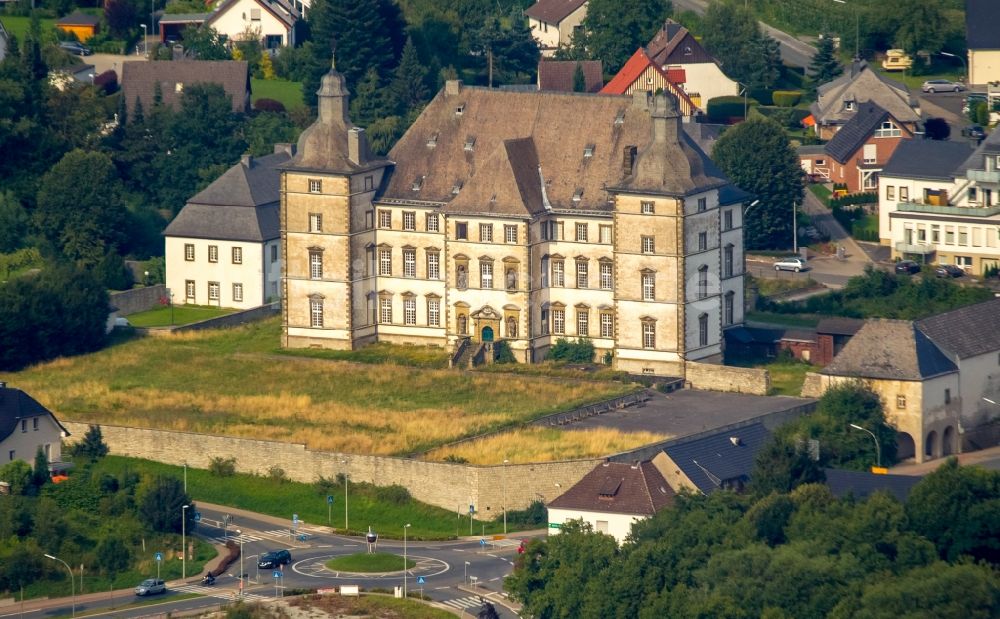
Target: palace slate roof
240,205
967,331
139,79
520,152
16,405
558,75
891,350
721,459
553,11
926,159
981,19
615,487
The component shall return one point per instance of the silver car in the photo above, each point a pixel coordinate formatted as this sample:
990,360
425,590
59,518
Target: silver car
933,86
790,264
151,586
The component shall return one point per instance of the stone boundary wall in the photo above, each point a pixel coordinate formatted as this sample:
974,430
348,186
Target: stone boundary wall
447,485
712,377
812,387
232,320
138,299
771,421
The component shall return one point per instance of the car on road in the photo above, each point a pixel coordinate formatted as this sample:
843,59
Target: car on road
948,270
151,586
908,267
75,48
933,86
975,132
275,558
790,264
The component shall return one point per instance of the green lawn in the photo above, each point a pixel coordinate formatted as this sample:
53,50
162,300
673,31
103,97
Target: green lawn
821,191
176,315
370,606
787,376
18,26
369,563
289,93
412,356
283,498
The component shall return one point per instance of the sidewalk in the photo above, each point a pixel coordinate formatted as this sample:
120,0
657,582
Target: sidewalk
966,459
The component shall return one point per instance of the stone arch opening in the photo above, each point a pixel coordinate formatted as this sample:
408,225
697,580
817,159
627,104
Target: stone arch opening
931,446
905,447
948,446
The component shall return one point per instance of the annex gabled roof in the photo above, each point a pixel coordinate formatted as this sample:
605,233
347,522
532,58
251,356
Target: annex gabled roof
240,205
78,19
614,487
859,84
721,459
981,19
839,326
926,159
967,331
139,80
553,11
16,405
633,70
861,484
890,350
558,74
858,130
576,150
667,40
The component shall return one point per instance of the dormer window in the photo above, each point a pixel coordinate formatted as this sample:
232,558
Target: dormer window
418,183
577,195
433,141
687,50
588,151
470,142
849,105
620,117
179,87
457,187
460,109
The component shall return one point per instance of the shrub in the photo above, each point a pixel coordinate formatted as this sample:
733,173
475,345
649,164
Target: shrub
222,467
269,105
92,446
982,114
394,494
580,351
276,473
534,514
503,353
456,459
786,98
723,108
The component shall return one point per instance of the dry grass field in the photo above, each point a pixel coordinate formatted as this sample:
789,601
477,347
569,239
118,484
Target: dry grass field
232,382
538,444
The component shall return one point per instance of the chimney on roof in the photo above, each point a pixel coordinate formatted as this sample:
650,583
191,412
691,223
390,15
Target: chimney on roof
628,159
640,99
666,120
284,147
247,161
452,87
357,146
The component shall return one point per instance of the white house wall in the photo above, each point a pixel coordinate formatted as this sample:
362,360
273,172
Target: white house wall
615,525
707,80
256,276
26,439
237,18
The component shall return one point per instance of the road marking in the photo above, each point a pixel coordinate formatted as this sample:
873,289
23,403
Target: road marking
225,594
463,603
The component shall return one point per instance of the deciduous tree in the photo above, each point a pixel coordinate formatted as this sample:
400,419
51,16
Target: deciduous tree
614,29
160,501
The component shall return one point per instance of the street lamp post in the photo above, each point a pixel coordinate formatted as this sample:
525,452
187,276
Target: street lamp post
466,581
857,29
795,229
344,462
242,585
145,44
965,67
406,563
878,450
184,541
72,580
505,463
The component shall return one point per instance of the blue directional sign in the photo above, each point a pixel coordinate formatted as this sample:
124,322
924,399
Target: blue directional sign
295,518
420,580
472,508
329,499
158,556
197,516
482,541
277,573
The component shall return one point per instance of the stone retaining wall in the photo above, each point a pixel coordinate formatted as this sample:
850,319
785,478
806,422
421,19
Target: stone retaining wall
232,320
138,299
712,377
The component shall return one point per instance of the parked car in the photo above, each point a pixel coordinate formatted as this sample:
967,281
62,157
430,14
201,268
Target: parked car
975,132
948,270
75,48
907,266
933,86
274,559
790,264
151,586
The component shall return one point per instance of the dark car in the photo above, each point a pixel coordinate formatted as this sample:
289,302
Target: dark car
974,131
907,266
274,558
75,48
948,270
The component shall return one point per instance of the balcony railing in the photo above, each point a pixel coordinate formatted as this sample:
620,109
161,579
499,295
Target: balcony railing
922,249
958,211
983,176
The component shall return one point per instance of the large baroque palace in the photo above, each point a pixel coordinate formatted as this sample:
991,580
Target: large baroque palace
516,216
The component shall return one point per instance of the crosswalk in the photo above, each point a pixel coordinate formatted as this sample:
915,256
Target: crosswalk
225,594
472,601
256,536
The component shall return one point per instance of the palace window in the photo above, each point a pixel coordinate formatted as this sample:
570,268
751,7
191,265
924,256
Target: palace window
410,311
648,334
433,312
559,322
648,244
409,263
607,276
582,322
189,252
385,261
605,234
648,286
485,233
433,265
703,330
213,291
315,312
409,220
315,222
237,255
189,289
702,205
727,261
582,274
730,302
213,253
510,234
384,218
315,265
486,274
647,207
238,293
315,185
432,222
461,231
702,281
607,324
581,233
702,241
727,219
385,310
558,273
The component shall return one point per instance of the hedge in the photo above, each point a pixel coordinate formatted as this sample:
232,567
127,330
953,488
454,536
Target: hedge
786,98
867,197
724,108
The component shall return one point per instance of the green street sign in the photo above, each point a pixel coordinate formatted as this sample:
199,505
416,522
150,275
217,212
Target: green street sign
555,525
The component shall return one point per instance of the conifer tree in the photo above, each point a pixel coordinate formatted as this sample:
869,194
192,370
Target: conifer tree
409,86
825,66
579,79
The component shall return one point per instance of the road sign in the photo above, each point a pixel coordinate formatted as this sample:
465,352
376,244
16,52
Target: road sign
482,541
329,499
472,508
295,518
197,516
158,556
420,580
277,573
555,525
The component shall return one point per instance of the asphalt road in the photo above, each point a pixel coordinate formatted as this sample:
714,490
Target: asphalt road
455,573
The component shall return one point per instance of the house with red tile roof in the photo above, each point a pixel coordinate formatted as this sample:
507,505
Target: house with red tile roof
641,73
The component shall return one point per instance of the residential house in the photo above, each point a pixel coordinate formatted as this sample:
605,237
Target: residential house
63,78
983,41
839,100
917,382
940,202
722,459
858,151
678,52
26,426
140,81
522,216
271,22
81,25
172,26
862,484
560,75
611,498
553,22
224,247
641,74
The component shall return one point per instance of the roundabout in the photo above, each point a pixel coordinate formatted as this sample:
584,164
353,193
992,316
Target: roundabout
370,562
316,567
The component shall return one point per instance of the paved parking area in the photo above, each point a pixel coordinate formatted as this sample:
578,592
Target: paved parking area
689,411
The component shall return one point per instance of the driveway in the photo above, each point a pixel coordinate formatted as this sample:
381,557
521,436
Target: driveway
110,62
